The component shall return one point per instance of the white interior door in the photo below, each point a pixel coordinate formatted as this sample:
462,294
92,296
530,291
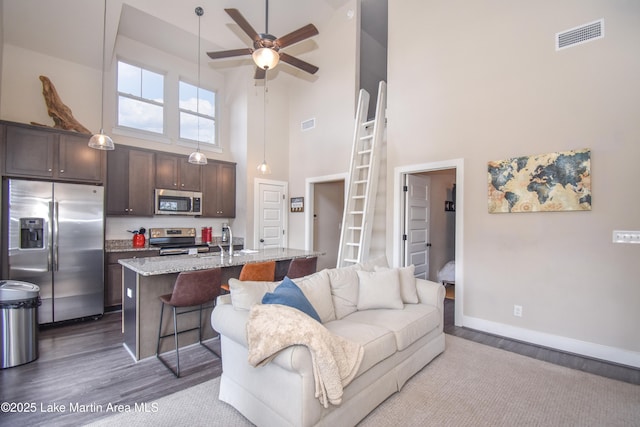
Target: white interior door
271,228
416,248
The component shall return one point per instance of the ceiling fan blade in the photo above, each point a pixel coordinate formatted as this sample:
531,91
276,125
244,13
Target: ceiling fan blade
296,36
229,53
242,23
260,73
299,63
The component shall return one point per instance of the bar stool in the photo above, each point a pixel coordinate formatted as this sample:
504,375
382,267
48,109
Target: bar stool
191,289
259,271
256,271
300,267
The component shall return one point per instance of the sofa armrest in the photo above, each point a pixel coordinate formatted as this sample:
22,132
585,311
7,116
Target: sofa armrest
229,322
232,324
431,293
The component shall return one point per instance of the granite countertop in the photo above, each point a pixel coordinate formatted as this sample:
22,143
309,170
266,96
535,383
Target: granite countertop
152,266
126,245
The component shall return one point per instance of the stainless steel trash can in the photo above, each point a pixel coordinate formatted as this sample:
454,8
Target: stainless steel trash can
19,303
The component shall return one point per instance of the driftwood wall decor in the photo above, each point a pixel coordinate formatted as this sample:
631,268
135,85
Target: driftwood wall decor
58,111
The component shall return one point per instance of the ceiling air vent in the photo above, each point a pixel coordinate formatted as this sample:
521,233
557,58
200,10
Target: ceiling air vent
578,35
308,124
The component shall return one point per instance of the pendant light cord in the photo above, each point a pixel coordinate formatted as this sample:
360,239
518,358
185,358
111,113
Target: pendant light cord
264,120
104,43
199,12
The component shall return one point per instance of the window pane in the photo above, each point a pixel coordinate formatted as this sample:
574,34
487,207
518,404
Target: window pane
140,115
187,96
189,128
207,102
129,79
152,86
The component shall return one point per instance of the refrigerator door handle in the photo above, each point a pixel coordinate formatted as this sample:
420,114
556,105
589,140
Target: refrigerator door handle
56,228
50,237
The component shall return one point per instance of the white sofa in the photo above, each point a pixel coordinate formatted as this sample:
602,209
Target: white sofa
398,342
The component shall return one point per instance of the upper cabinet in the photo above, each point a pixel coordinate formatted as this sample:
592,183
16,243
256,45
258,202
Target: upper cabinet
176,173
52,154
219,190
130,182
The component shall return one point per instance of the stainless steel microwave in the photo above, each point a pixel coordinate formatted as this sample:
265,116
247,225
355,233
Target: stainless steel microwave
177,202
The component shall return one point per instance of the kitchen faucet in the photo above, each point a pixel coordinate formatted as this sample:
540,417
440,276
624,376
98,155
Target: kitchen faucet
230,241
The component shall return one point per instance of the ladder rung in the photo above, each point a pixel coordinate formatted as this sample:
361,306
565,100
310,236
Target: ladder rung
360,181
350,260
362,167
369,123
364,138
355,228
358,197
356,212
353,244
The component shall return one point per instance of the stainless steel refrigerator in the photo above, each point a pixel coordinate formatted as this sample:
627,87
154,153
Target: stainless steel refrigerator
56,241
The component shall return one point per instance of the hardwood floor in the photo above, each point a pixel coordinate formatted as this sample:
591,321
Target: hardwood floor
84,363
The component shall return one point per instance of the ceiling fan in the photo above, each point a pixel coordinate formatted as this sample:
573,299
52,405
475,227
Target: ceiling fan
266,51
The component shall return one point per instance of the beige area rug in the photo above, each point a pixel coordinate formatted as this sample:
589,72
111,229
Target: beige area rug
470,384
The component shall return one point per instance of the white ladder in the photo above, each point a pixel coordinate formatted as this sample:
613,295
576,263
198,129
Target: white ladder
357,219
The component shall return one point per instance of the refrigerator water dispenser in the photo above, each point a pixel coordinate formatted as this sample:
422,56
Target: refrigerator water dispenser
31,233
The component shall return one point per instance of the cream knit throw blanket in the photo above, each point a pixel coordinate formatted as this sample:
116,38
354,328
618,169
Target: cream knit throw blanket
273,327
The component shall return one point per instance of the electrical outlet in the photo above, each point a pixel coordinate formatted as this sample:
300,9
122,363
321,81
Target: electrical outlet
517,310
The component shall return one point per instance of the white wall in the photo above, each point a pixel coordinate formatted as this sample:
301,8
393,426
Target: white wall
483,82
330,98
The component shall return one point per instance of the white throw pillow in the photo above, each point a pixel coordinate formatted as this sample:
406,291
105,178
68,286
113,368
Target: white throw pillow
317,288
344,289
379,289
244,294
408,290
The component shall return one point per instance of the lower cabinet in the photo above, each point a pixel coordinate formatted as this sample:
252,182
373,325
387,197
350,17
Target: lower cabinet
113,280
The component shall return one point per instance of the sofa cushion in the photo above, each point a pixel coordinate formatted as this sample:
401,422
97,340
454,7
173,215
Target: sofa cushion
408,291
317,288
289,294
379,289
244,294
344,289
408,325
378,342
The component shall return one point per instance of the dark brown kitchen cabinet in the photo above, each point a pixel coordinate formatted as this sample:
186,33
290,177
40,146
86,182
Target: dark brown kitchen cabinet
113,280
130,182
219,190
176,173
47,153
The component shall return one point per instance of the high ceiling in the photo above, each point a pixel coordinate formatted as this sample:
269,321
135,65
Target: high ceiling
72,29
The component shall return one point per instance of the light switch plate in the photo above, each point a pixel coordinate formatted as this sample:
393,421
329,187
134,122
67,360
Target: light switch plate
620,236
129,293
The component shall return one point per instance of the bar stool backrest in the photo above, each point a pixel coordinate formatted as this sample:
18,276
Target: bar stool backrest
196,287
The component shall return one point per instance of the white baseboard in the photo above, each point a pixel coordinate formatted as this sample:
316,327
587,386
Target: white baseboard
570,345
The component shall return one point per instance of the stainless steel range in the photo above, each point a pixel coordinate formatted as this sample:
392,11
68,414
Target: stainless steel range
176,241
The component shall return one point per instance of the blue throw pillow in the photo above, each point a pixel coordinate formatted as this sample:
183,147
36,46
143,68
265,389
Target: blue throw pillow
288,293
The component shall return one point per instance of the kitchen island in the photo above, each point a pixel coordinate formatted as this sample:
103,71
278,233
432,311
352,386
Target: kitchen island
145,279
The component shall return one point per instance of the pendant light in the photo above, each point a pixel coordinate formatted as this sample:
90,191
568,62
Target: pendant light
198,158
264,167
101,141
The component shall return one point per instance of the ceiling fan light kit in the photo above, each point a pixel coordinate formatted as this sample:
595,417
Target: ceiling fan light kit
266,58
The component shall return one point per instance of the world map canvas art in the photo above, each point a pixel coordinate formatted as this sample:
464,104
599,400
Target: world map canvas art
547,182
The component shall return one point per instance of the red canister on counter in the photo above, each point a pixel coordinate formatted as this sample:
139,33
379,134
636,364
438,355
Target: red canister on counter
138,240
206,234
